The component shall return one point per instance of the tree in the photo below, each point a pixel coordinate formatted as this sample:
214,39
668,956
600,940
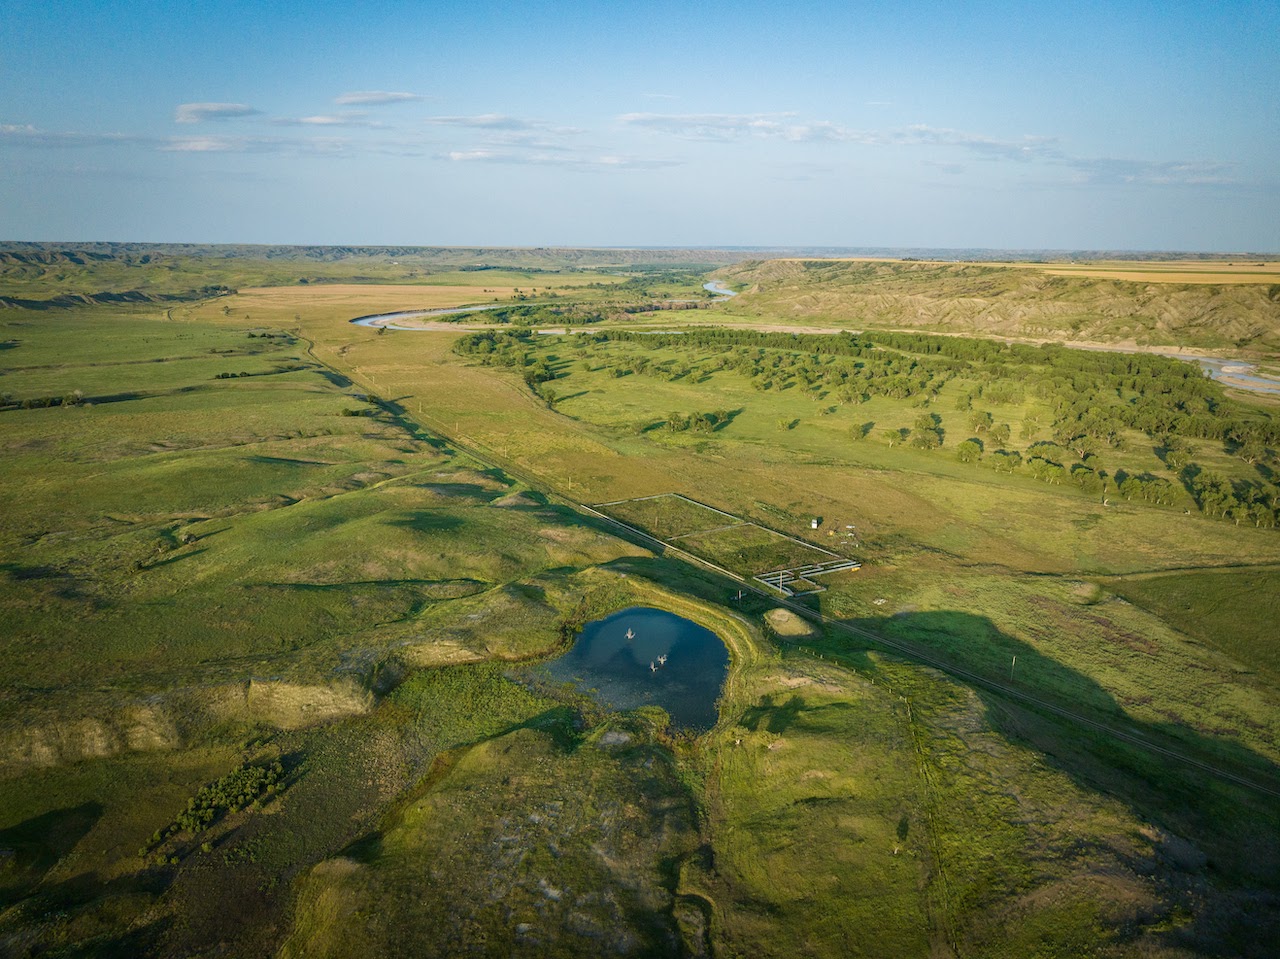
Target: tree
1177,452
1005,461
969,451
1082,444
980,421
1251,450
925,439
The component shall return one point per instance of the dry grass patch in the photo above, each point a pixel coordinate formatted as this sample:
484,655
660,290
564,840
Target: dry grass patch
788,625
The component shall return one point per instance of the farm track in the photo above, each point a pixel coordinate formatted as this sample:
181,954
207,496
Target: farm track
489,458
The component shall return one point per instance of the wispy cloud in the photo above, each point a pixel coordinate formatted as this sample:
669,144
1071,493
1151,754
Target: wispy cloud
312,146
733,126
28,135
1023,148
505,139
375,98
1154,172
487,121
345,119
954,169
580,161
708,126
200,112
1044,150
501,123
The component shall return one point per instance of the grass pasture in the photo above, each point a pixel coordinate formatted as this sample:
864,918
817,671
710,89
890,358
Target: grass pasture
669,515
750,549
200,572
1231,610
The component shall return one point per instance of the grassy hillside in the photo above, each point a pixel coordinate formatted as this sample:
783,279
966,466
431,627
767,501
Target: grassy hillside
33,273
1009,300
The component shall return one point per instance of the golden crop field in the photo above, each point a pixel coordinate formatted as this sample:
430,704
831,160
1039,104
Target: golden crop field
1134,271
1173,271
359,299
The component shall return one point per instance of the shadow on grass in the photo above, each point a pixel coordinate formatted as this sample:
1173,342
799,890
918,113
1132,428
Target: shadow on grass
773,717
31,848
177,558
428,521
399,417
729,417
467,491
337,379
1227,833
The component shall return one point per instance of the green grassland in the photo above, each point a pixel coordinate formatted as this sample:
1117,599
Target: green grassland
203,576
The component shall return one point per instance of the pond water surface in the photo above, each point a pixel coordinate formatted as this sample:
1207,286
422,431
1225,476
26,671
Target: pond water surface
648,657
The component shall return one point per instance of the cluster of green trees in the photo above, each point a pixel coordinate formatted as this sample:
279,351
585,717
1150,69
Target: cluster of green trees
9,401
1239,501
538,314
1094,399
698,422
240,789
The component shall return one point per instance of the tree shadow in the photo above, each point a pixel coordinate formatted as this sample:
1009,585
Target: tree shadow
337,379
774,717
729,417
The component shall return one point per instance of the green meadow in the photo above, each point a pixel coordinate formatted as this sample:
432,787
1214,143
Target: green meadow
271,586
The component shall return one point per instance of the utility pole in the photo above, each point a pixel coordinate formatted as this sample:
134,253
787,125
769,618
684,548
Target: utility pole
1011,665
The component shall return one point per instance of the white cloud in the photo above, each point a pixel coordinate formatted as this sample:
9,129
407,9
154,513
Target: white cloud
28,135
346,119
1024,148
1154,172
580,161
487,121
733,126
503,123
708,126
375,98
952,168
314,146
200,112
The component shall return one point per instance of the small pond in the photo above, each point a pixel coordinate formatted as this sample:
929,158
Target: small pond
648,657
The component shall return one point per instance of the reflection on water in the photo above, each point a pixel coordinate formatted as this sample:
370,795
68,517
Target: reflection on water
648,657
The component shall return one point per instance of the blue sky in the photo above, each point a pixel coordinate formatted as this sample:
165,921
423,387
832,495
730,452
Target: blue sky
1018,125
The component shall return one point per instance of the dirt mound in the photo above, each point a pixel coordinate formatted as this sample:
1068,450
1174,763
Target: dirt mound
522,500
292,705
789,625
45,741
